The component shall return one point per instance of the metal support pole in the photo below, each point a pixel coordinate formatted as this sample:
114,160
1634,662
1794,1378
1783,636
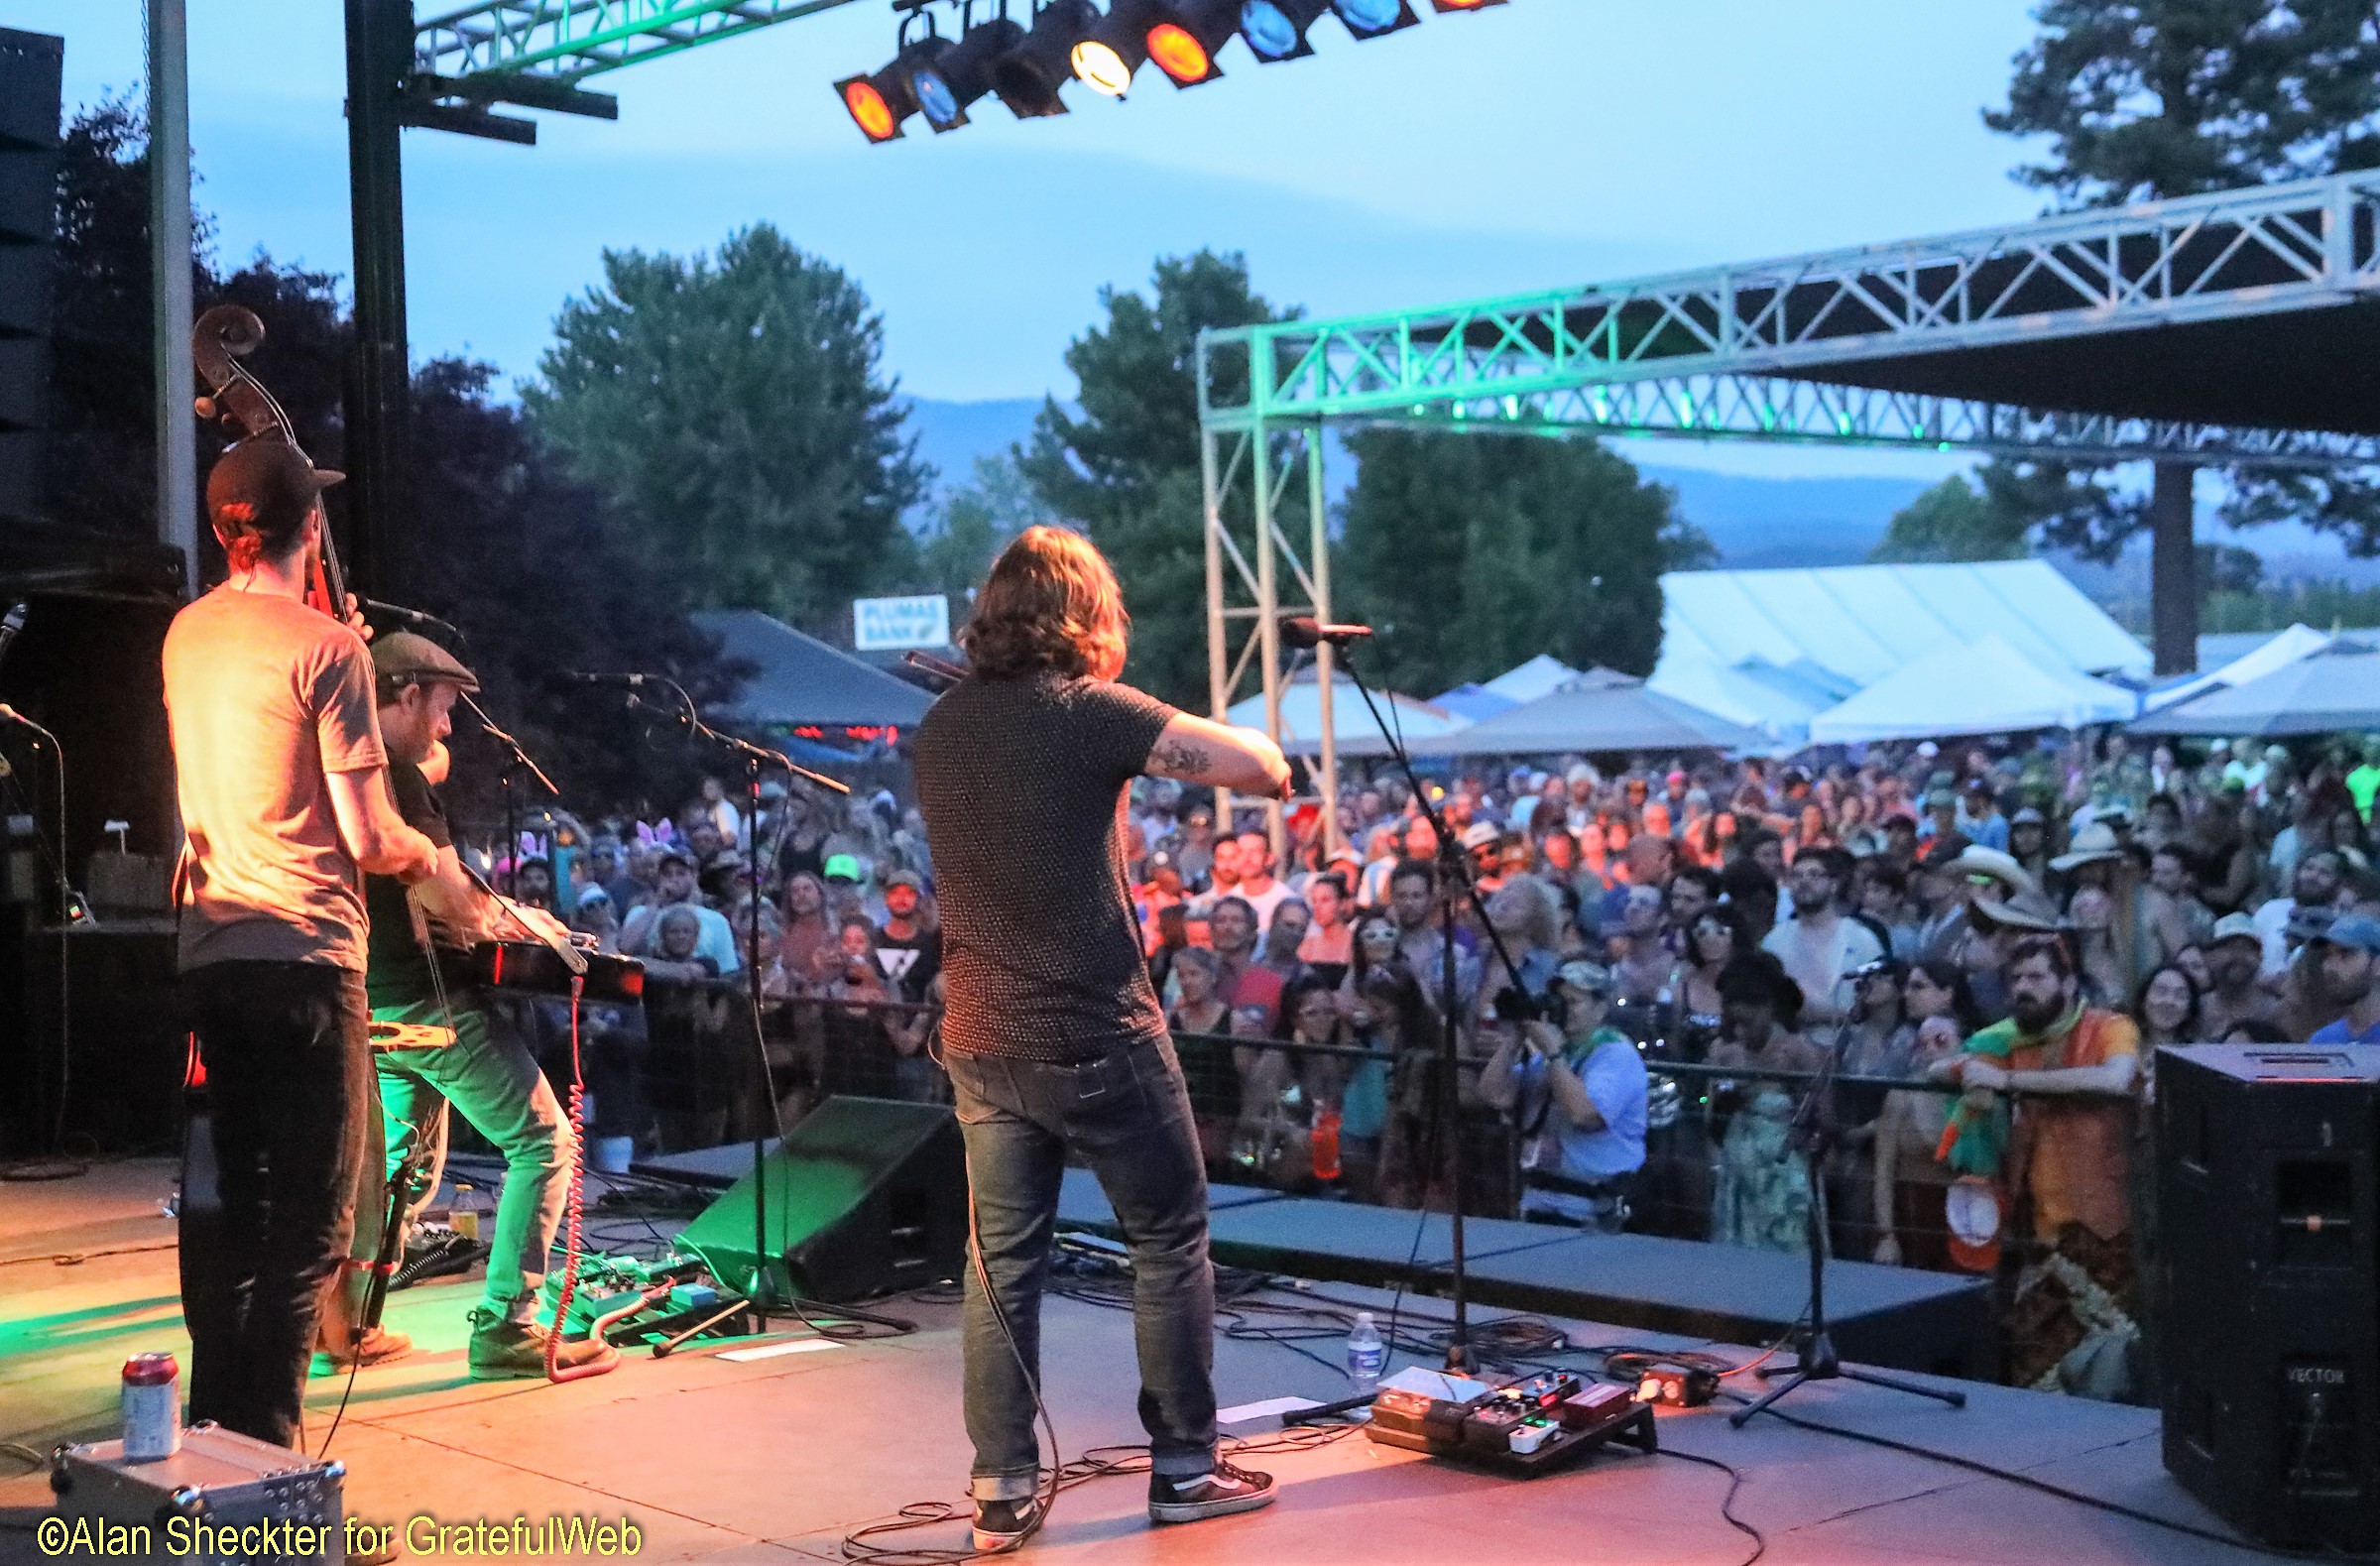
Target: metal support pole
1269,617
379,62
1219,694
169,283
2173,571
1325,663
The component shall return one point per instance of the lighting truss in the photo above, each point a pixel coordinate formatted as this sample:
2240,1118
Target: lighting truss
566,41
2235,255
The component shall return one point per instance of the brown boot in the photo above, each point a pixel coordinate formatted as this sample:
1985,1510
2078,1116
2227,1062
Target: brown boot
503,1350
379,1346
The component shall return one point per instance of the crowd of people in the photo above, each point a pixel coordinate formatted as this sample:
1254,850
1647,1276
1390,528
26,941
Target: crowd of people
1983,944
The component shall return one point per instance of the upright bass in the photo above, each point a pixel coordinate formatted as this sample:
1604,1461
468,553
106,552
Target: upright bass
220,340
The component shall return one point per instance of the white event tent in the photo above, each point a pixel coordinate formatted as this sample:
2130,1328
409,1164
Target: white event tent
1983,686
1351,720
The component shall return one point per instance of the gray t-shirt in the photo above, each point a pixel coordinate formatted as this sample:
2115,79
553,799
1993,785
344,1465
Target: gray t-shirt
267,697
1023,783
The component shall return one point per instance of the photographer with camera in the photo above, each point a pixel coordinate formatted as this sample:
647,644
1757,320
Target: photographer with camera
1576,1089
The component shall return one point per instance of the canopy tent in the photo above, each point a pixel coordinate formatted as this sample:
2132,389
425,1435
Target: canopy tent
1539,676
1472,703
1983,686
1606,713
1756,694
2338,689
1862,622
799,683
2274,653
1351,720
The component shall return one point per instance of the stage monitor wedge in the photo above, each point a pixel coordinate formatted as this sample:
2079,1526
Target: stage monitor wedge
866,1196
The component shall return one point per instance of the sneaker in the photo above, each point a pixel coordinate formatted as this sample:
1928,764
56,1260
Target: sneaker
377,1346
503,1350
1003,1525
1218,1493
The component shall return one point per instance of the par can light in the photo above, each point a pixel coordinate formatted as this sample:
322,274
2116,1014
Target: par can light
1184,44
1112,51
1367,19
948,84
1027,77
1275,29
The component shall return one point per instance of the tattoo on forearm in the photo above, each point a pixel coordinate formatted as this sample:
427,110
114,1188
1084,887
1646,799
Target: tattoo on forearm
1182,758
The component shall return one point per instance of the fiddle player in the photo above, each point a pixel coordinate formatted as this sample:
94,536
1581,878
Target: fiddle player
282,780
487,1074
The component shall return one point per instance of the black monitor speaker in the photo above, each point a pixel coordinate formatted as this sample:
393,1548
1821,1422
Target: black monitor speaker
865,1196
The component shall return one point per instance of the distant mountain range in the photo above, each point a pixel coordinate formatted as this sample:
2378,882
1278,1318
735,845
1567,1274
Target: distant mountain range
1756,523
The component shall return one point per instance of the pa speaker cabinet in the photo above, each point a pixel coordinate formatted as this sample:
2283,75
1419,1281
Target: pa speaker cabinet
2270,1247
864,1197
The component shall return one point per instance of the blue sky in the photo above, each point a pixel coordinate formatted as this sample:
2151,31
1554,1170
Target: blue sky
1541,143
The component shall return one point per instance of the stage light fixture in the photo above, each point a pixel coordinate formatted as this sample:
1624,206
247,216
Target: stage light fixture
878,103
1369,19
960,72
1184,43
1275,29
1444,6
1106,60
1027,77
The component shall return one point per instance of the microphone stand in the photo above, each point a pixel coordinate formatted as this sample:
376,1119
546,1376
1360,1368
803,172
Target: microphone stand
754,758
1814,1359
516,762
1453,872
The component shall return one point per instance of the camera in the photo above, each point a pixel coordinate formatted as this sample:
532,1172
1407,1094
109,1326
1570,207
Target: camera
1514,1003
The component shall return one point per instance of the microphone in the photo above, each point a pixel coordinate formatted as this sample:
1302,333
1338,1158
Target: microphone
413,617
10,624
1304,632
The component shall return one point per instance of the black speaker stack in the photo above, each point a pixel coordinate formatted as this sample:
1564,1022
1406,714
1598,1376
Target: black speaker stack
2269,1227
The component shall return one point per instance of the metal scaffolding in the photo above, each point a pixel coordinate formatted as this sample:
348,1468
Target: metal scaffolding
565,41
2264,297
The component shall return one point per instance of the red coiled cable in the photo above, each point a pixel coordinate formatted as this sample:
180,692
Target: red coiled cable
578,1189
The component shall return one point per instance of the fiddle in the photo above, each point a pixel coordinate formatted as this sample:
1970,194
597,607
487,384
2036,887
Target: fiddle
220,340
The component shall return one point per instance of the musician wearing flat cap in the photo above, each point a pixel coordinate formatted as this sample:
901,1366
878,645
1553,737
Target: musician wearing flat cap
485,1074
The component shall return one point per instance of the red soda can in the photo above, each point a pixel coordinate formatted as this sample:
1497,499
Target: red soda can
151,1408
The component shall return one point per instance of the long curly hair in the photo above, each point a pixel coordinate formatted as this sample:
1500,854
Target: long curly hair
1050,603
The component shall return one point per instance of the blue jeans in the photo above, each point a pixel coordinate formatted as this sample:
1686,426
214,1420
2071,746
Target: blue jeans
1127,1114
499,1089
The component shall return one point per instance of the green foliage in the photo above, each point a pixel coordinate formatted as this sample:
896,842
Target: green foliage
2322,605
544,574
974,522
2149,98
536,570
1126,470
1953,521
1472,554
735,408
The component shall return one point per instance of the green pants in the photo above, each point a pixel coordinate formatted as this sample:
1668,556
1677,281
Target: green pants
497,1086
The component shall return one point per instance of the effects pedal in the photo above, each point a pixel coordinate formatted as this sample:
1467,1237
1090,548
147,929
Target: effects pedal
1677,1386
1529,1428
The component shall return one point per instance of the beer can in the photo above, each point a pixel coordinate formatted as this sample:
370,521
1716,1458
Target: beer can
151,1408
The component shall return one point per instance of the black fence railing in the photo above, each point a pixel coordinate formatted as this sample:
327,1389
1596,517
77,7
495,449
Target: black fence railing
1345,1120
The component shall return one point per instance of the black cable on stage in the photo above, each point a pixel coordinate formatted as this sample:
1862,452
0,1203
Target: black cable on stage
1726,1503
2027,1482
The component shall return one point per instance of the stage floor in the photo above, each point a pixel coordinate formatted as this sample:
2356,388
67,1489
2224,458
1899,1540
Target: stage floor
778,1459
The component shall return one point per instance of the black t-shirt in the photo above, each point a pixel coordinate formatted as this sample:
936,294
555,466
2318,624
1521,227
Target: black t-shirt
909,961
1022,783
396,969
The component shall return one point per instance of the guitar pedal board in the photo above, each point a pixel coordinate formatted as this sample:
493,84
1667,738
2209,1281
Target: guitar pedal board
1529,1428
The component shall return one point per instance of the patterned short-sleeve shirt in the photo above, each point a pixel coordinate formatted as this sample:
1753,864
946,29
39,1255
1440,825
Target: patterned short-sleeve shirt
1024,785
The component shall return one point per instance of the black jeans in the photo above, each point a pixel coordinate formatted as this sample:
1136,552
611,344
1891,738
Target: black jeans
1128,1116
289,1080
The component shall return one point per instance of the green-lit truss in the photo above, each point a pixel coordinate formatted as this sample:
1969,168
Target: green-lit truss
1767,352
566,41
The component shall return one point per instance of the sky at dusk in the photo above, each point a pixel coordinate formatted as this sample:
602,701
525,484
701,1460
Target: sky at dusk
1537,144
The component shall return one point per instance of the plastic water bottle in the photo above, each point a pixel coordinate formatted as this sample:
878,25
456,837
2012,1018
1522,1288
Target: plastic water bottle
1367,1355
